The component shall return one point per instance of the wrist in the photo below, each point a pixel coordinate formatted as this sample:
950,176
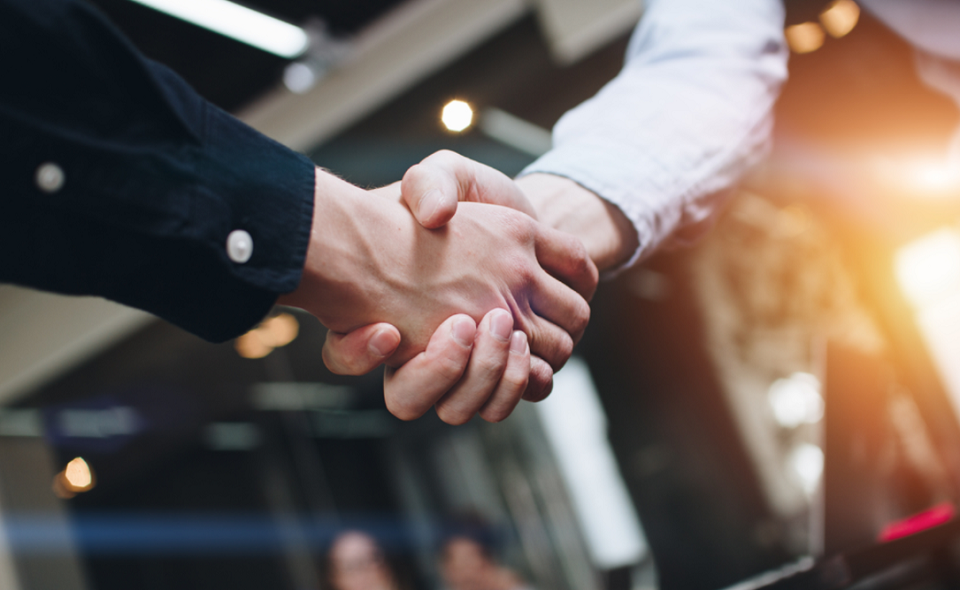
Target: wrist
349,234
607,234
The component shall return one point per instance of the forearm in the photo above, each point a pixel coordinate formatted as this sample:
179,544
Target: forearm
689,113
155,180
608,235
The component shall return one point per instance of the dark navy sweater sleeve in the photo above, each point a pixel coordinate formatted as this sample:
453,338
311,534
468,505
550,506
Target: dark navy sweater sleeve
154,179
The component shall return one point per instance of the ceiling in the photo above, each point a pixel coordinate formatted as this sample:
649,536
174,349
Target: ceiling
227,72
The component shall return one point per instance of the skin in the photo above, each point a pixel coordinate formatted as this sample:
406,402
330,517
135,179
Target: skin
356,563
608,236
433,190
370,261
465,566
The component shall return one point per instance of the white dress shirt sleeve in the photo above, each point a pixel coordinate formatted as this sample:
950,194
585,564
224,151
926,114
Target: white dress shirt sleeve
689,113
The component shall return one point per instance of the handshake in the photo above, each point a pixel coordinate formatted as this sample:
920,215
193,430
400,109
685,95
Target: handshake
472,306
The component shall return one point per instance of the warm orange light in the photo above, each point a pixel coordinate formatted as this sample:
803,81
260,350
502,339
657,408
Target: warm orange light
928,269
279,330
274,332
76,477
250,346
805,37
840,17
936,178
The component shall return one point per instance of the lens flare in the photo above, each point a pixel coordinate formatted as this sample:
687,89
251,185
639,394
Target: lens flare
929,268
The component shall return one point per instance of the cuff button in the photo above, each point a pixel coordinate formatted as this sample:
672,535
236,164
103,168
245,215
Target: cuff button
239,246
50,178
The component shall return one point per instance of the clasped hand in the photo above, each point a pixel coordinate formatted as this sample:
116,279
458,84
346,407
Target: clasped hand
471,307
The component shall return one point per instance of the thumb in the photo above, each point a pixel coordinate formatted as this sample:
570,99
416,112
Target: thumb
432,188
361,350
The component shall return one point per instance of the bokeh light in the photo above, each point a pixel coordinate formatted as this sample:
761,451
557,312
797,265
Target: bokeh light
805,37
840,17
796,400
457,116
274,332
807,462
299,78
75,478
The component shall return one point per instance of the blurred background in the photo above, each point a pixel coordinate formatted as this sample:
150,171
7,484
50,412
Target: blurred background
776,405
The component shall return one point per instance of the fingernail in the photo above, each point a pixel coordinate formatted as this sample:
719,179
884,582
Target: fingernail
501,325
430,203
383,343
518,343
463,331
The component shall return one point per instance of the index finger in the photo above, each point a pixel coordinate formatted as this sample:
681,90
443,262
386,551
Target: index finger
566,258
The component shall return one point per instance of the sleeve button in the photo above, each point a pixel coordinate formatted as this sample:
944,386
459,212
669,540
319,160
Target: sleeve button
239,246
50,178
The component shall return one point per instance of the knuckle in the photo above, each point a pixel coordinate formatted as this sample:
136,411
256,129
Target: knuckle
582,266
541,376
451,415
412,175
581,317
401,410
443,156
562,353
440,159
579,256
519,226
539,388
495,415
333,361
449,369
588,269
515,384
488,367
521,267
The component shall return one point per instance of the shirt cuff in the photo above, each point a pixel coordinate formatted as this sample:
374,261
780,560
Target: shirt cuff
586,165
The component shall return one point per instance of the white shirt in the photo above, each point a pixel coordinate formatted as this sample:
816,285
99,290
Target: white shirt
689,113
691,110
